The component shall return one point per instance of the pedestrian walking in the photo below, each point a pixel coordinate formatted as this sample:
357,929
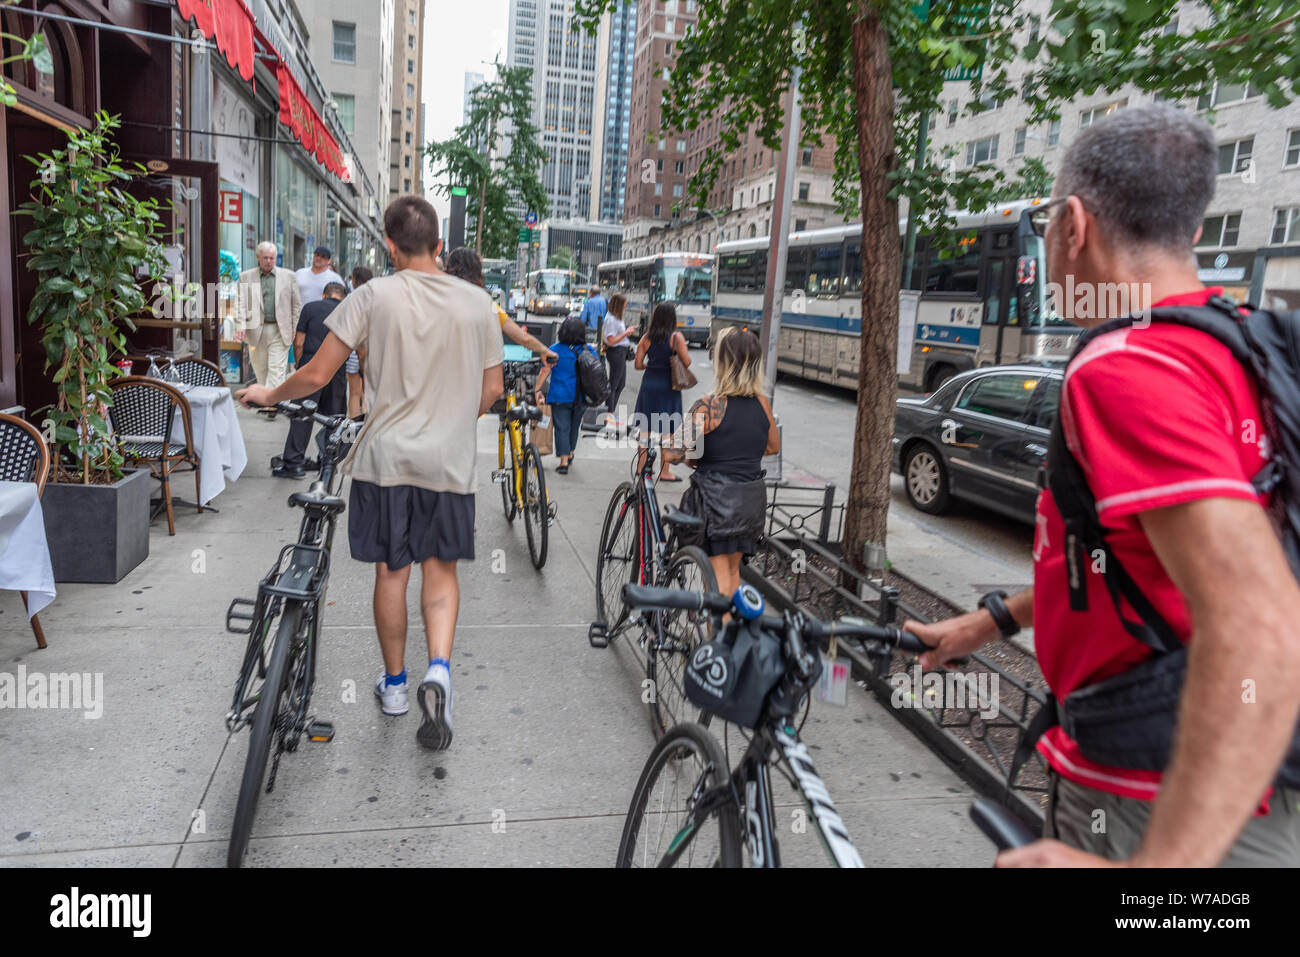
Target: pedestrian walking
724,438
433,351
558,385
593,314
658,404
1160,585
352,368
313,279
330,400
268,305
615,335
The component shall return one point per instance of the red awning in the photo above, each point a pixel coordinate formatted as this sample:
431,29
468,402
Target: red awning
230,23
297,113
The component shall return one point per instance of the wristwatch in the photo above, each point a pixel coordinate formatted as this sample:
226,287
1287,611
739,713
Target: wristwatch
994,602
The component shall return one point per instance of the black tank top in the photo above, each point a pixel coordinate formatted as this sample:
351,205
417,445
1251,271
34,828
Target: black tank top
735,448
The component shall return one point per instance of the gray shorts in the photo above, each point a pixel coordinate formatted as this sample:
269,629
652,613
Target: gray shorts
401,524
1112,826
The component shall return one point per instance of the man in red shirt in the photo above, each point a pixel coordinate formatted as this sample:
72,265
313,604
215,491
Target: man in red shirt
1166,426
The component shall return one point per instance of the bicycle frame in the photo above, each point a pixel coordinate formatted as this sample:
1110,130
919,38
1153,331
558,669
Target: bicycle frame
516,431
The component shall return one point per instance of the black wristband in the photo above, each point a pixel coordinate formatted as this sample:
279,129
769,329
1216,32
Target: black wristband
993,601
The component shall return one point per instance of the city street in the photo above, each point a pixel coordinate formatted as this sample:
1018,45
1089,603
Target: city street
550,733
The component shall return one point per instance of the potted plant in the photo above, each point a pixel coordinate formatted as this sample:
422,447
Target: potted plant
95,248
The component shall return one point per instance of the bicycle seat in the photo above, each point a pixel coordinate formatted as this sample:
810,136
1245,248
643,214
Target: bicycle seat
317,498
524,413
675,516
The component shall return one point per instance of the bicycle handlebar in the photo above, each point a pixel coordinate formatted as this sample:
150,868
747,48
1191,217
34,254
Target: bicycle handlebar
999,825
650,596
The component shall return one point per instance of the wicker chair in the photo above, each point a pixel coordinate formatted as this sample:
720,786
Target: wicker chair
24,458
143,414
195,371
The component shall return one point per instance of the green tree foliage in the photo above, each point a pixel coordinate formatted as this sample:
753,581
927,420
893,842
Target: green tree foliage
561,257
494,180
871,69
96,248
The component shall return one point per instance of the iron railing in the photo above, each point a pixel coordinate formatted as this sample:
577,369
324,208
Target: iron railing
799,566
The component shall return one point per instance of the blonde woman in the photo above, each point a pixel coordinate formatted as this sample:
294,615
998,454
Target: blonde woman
724,438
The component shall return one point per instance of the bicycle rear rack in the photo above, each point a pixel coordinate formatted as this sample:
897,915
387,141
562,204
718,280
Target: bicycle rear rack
302,577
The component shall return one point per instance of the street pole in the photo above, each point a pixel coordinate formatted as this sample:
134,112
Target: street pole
778,247
909,246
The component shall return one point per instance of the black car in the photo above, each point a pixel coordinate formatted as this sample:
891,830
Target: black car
981,436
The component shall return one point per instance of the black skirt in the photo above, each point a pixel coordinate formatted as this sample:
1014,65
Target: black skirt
402,524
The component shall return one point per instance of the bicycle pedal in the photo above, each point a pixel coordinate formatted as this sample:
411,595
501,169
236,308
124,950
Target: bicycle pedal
236,613
320,731
598,635
500,475
550,514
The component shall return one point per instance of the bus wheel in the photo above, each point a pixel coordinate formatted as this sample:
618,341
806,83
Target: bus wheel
938,376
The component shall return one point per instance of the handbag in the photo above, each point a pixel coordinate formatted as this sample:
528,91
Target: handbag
683,378
732,675
543,432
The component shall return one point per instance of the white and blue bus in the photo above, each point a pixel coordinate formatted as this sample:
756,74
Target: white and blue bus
985,304
683,279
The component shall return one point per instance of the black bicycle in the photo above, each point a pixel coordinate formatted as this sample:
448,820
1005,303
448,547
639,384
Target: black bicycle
273,691
688,810
638,545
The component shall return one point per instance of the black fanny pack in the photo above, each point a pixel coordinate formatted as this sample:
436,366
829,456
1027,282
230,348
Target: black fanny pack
733,674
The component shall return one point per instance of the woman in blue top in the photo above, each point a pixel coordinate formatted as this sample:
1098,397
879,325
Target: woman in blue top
564,395
658,404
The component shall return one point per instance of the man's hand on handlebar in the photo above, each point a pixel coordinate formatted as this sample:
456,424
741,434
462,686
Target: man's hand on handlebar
954,638
254,396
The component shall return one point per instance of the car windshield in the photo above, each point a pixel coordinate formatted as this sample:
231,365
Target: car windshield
553,284
687,283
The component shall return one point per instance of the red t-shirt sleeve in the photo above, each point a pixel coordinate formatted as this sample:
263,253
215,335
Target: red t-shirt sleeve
1153,429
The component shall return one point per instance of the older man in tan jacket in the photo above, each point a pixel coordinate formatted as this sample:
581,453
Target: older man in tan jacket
266,313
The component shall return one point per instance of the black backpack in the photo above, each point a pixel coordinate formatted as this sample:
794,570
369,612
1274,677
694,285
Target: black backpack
1128,720
593,381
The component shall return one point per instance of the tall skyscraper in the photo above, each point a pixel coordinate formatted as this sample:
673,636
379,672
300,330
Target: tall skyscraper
545,37
406,170
614,98
472,82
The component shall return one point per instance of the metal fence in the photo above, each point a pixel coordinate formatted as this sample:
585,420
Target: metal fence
799,566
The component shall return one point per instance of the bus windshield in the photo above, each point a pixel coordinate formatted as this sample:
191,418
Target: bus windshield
685,284
1038,310
553,284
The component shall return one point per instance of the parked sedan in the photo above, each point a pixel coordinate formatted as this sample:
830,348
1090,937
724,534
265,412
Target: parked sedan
981,436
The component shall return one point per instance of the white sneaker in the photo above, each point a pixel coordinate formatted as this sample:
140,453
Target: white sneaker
434,696
392,698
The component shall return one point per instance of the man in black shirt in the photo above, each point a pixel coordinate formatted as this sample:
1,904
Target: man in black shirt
331,400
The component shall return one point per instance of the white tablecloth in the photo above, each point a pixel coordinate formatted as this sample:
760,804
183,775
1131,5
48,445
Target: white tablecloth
24,553
217,438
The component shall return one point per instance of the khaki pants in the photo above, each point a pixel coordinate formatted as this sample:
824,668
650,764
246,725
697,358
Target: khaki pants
269,353
1072,817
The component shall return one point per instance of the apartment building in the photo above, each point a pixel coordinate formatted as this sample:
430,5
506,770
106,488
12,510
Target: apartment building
406,152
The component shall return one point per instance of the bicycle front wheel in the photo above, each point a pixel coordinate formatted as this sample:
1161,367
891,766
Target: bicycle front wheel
662,828
536,507
259,743
617,560
680,633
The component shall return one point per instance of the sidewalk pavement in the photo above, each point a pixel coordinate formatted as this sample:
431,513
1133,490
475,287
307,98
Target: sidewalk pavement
550,734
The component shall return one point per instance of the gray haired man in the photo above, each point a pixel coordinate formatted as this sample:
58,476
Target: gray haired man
1154,414
267,307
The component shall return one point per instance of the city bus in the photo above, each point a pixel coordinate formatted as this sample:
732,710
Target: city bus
496,279
986,304
683,279
548,301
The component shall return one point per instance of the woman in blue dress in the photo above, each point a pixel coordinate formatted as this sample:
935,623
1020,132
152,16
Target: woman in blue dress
658,404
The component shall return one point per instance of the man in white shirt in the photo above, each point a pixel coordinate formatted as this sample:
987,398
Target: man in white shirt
313,279
433,362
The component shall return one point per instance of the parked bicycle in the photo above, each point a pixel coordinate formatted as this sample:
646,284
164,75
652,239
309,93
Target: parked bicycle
638,545
688,809
523,484
273,691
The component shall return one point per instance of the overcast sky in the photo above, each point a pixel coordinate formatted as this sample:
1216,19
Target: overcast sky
460,36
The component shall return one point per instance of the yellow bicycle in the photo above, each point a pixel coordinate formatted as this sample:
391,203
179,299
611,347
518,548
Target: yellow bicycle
523,483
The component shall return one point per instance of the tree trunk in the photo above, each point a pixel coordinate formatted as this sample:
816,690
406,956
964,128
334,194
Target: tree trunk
868,501
482,193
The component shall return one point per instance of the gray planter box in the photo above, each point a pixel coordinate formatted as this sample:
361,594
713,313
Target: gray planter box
97,533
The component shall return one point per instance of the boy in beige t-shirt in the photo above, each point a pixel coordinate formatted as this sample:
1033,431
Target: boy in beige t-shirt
433,366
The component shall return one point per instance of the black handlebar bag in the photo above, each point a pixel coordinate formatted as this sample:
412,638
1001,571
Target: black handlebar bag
733,674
